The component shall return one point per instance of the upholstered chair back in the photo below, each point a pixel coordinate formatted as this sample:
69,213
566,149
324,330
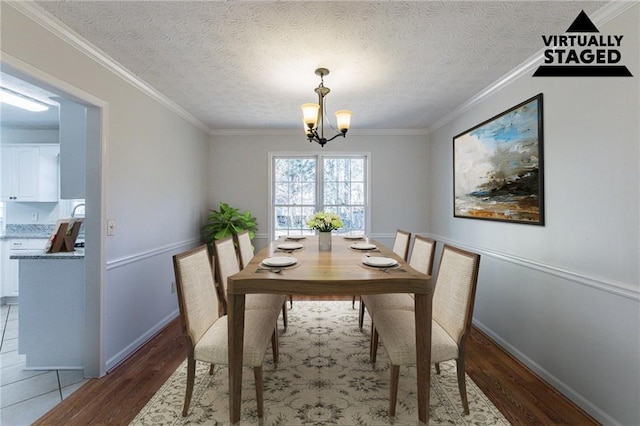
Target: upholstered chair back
401,243
245,248
196,291
455,291
422,254
226,261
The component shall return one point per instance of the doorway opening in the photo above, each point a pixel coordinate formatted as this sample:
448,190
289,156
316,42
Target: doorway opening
93,176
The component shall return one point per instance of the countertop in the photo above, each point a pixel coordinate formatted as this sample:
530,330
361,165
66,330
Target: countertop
27,231
39,254
17,231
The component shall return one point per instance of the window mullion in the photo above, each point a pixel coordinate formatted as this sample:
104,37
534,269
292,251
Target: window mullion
320,183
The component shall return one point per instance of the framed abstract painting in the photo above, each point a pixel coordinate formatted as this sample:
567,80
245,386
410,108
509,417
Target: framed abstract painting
498,167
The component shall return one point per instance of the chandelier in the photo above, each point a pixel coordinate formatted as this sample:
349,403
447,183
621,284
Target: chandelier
313,115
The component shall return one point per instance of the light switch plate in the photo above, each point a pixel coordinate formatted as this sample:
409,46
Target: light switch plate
111,227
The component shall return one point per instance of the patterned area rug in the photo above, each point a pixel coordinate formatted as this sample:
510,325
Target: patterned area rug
324,378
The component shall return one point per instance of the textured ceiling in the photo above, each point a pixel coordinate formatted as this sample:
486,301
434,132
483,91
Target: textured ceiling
11,116
249,65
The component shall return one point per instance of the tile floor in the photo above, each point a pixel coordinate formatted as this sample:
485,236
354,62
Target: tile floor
26,395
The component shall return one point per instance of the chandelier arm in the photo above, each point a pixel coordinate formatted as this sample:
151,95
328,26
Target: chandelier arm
321,112
342,133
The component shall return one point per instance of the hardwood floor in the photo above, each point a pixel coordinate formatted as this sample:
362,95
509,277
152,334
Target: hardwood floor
117,397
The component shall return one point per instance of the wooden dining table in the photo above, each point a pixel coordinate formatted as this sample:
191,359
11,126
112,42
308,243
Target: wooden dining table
340,271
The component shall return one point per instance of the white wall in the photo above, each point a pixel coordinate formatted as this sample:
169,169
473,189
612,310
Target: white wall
564,298
21,213
12,135
155,182
398,176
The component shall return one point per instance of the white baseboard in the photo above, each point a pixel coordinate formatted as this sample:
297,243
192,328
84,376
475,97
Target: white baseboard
125,353
567,391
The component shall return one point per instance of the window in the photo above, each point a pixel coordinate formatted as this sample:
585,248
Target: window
302,185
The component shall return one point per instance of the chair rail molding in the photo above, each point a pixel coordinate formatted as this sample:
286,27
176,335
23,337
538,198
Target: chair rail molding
610,286
137,257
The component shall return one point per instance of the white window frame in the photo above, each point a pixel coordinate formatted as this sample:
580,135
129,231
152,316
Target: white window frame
319,156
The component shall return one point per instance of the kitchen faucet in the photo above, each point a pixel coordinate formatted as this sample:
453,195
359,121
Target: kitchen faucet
73,213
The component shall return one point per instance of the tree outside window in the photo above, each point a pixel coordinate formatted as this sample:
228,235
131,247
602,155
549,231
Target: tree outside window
304,185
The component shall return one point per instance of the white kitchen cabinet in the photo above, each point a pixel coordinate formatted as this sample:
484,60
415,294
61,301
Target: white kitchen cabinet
30,173
20,165
10,280
9,272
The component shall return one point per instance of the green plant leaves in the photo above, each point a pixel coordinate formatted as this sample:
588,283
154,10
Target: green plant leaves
226,222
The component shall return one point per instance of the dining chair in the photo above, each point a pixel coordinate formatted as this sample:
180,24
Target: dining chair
452,312
227,264
206,331
245,248
400,247
401,243
421,260
245,254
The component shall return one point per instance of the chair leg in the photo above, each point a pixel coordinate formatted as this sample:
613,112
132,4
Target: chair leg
211,367
257,374
353,302
373,349
291,301
285,320
361,314
191,375
275,346
437,364
462,384
393,386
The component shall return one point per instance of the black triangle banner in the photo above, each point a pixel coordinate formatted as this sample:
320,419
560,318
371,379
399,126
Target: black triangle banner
582,71
575,55
582,24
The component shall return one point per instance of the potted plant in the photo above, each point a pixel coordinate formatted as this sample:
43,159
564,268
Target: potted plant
226,222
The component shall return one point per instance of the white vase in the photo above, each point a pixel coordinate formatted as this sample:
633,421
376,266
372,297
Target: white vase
324,241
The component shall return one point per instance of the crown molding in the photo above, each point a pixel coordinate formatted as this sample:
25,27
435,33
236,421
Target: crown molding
298,132
599,17
57,28
46,20
254,132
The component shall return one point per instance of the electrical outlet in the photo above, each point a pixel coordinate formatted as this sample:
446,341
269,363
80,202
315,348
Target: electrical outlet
111,227
34,216
173,287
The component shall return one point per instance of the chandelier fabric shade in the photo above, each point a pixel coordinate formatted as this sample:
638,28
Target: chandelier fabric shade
343,117
313,115
310,114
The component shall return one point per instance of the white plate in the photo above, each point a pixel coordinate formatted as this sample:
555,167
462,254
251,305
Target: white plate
295,237
354,237
363,246
279,261
380,262
290,246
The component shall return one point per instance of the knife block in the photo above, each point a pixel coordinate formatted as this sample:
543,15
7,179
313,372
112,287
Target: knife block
65,238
